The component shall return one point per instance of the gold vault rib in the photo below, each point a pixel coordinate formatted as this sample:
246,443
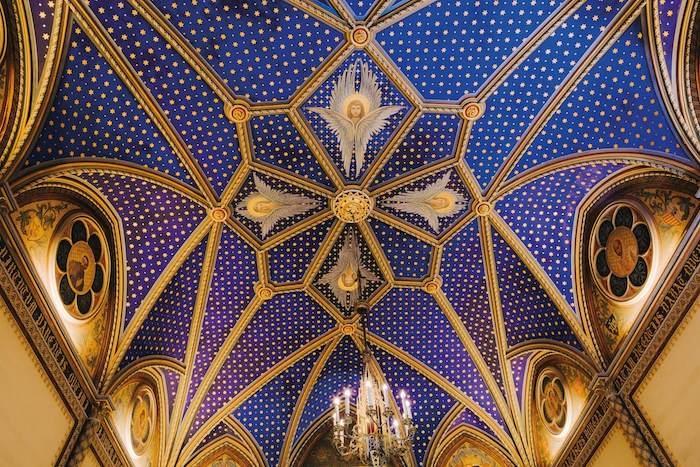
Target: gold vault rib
256,385
103,42
508,405
492,288
204,286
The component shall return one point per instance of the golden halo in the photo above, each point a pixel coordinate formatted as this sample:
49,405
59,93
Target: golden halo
355,98
443,202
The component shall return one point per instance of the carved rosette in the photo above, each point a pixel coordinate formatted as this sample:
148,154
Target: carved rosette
352,206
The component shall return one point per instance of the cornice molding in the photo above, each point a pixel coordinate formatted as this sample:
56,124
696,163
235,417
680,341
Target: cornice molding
640,350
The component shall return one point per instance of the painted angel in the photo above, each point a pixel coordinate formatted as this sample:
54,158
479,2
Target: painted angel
431,203
345,276
267,206
355,116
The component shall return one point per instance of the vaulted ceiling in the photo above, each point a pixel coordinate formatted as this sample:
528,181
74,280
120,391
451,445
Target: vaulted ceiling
508,113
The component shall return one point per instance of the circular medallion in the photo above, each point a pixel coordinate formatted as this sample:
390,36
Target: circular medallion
219,214
433,286
483,208
360,36
263,291
237,112
553,400
352,206
143,419
81,265
472,110
348,329
621,251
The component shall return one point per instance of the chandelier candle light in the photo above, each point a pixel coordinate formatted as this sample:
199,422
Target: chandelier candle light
377,433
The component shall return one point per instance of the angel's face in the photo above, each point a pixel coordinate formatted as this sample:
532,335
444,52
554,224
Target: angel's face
356,110
259,206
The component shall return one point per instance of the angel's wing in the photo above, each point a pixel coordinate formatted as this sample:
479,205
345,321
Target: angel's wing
370,126
283,212
421,196
344,131
369,88
419,208
344,87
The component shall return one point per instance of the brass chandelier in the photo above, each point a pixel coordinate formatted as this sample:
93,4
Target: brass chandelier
377,432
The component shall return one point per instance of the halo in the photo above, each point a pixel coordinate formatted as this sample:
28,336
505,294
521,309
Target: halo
356,97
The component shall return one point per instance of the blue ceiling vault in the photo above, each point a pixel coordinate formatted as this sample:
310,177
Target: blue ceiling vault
569,98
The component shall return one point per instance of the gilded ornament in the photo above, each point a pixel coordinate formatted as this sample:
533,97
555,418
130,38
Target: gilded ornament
433,286
472,111
356,115
143,419
360,36
483,208
621,251
237,112
470,456
263,292
352,206
81,265
670,208
219,214
3,34
36,222
348,329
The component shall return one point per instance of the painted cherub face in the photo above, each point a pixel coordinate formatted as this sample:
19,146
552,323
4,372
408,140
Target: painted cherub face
356,110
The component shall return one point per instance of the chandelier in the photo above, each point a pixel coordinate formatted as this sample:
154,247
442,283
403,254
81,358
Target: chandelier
377,432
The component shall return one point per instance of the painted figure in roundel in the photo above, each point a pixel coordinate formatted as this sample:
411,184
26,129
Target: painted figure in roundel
355,116
142,419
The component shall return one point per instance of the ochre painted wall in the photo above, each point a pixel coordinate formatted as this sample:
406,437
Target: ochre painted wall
669,397
35,422
615,450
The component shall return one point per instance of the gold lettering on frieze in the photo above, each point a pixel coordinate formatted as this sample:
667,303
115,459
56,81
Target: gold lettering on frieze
32,314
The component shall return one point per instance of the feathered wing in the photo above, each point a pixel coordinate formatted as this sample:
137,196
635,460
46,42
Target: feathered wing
289,205
416,202
370,126
344,88
347,257
422,196
344,131
369,88
421,209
